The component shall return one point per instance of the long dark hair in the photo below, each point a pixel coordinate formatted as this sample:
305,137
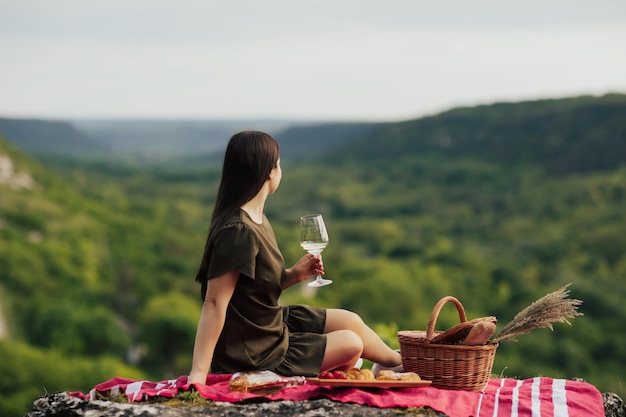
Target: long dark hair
250,157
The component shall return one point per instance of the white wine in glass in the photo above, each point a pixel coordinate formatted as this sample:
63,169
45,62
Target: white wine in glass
313,239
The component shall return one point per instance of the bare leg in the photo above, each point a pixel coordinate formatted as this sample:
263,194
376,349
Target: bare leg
374,349
343,349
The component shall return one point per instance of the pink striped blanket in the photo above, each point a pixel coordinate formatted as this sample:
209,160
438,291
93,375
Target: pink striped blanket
536,397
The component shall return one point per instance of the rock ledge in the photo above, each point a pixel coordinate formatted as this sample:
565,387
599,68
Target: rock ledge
63,405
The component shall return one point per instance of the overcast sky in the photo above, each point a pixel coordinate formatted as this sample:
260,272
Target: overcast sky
301,59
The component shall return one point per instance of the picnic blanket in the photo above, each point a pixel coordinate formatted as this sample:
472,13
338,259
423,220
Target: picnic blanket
535,397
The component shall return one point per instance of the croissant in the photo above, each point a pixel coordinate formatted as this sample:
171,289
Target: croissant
386,375
366,375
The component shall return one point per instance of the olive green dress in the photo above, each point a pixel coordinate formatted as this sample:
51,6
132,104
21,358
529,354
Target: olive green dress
259,333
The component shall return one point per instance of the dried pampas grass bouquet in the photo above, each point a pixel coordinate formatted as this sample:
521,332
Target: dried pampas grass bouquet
551,308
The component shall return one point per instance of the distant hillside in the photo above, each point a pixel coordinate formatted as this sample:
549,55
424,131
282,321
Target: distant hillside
171,138
563,135
316,139
147,140
48,138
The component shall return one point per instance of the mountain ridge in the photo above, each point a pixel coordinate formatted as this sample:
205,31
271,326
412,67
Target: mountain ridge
580,134
48,137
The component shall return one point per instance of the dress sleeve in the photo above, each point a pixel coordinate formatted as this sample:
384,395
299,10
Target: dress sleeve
235,247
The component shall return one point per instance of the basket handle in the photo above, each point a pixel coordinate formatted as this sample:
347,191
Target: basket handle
430,330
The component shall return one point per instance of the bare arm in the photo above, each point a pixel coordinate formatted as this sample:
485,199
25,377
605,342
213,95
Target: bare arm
305,268
211,323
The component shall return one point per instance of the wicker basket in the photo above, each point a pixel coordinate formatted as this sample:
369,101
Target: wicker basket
458,367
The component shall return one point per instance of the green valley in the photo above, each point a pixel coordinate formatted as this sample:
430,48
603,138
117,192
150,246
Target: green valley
496,205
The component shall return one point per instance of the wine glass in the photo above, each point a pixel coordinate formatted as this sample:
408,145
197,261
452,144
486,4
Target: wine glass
313,239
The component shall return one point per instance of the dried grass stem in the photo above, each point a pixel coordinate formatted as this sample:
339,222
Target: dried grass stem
551,308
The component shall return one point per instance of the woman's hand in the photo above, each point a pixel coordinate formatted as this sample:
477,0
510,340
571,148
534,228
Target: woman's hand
197,378
305,268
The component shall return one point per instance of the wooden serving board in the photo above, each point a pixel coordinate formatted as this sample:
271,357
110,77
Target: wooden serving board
355,383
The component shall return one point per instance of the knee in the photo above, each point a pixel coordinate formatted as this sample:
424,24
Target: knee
352,343
338,319
352,320
343,348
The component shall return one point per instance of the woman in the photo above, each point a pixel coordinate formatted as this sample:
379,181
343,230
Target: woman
242,327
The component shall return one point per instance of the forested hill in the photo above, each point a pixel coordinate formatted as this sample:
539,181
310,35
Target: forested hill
312,140
563,135
159,139
48,138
